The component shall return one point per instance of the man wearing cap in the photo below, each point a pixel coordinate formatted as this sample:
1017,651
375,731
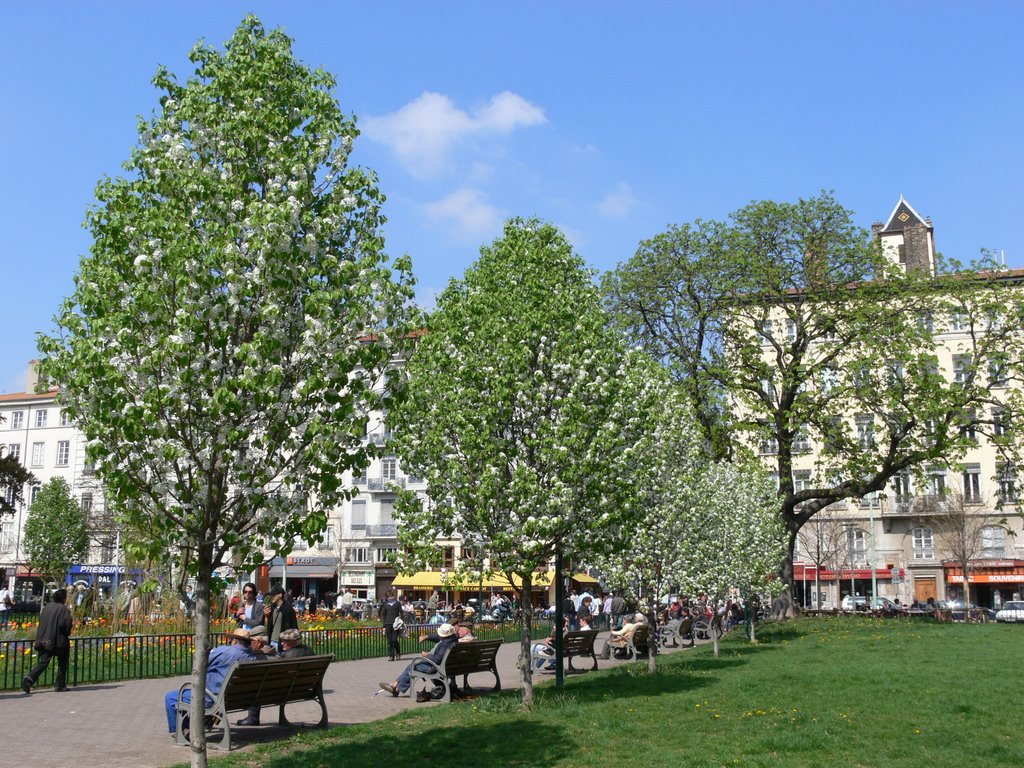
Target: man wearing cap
279,615
291,645
263,650
219,663
446,639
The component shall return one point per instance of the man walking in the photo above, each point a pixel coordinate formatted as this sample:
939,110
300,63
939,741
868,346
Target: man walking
53,639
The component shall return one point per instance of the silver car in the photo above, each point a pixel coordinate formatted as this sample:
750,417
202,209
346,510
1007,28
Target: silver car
1011,611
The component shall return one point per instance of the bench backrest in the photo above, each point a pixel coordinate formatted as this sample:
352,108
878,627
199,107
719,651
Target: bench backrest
640,636
274,682
475,656
579,643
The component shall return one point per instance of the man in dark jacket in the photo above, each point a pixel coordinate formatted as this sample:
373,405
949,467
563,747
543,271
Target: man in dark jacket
292,646
279,615
52,639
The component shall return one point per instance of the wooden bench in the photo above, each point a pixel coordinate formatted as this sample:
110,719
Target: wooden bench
461,659
677,633
260,684
573,644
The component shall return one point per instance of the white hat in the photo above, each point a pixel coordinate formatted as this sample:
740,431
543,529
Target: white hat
639,617
445,630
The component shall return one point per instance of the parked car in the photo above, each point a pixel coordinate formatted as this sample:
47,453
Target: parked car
878,603
1012,611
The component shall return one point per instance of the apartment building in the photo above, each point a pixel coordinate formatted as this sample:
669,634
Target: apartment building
889,542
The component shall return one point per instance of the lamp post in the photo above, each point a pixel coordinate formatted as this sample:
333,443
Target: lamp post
850,538
871,555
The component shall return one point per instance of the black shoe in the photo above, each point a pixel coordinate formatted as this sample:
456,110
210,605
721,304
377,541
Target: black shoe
62,689
248,721
423,696
26,685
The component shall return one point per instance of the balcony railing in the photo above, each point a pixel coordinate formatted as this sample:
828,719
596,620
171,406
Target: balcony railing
385,483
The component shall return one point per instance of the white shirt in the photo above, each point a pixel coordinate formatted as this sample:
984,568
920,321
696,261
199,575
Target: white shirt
5,594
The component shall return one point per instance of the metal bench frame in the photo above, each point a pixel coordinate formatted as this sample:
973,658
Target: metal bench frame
461,659
574,644
274,682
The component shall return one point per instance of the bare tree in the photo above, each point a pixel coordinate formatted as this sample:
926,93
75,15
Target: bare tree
960,529
823,541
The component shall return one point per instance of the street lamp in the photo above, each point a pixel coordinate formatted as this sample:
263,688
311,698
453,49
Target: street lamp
850,538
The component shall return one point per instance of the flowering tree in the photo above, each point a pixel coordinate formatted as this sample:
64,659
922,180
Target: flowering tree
524,413
735,539
214,351
705,526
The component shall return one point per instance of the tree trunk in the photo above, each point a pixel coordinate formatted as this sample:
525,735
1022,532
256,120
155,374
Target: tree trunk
201,629
652,638
526,642
784,607
751,608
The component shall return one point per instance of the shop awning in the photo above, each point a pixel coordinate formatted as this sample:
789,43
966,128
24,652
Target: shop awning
435,580
303,572
583,578
420,580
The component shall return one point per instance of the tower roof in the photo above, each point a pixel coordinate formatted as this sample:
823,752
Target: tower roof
902,216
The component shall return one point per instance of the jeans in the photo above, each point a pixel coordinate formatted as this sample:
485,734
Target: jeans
171,698
405,679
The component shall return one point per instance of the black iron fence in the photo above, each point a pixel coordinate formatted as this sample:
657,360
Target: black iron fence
133,657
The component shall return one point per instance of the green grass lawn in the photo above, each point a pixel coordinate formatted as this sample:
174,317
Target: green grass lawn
831,692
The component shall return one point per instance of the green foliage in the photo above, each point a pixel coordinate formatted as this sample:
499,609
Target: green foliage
788,326
523,411
56,533
810,693
13,478
221,343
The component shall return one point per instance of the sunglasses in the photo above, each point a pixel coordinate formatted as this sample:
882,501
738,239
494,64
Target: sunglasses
246,591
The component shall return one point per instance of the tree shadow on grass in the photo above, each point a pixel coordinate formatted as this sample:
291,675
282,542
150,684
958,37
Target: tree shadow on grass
504,743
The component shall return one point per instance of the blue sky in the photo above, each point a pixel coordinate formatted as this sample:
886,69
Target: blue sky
611,120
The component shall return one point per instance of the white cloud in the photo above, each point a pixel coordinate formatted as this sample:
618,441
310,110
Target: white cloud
424,131
469,210
618,203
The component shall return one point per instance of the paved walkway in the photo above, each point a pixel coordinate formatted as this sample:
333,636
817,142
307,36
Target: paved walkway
108,725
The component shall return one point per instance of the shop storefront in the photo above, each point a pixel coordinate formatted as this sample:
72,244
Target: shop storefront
992,581
311,576
105,578
806,577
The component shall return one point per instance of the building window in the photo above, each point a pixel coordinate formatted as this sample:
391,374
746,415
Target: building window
14,451
969,430
894,372
997,372
65,419
35,494
359,555
107,551
769,445
448,557
388,468
866,430
328,541
857,543
926,322
937,481
359,513
900,484
829,379
1006,478
958,321
767,327
1000,422
387,512
962,368
17,419
992,544
87,504
790,329
41,417
385,554
7,536
801,442
972,483
38,450
801,480
924,547
63,449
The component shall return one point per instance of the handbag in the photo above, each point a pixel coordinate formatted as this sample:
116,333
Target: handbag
399,627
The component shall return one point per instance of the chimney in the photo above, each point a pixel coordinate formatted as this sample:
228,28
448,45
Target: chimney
34,382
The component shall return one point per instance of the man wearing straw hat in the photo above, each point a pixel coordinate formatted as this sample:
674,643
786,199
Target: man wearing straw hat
220,662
